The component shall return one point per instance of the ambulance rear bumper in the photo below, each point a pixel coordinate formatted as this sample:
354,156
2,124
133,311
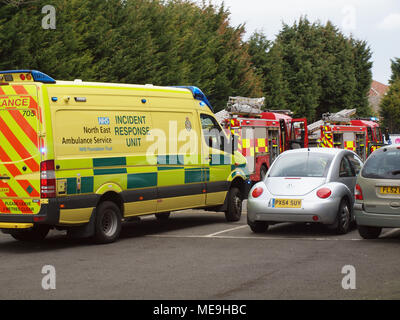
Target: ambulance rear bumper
48,214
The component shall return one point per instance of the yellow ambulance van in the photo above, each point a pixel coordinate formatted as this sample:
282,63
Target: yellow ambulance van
84,157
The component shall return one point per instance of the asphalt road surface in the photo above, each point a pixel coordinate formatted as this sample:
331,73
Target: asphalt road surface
197,255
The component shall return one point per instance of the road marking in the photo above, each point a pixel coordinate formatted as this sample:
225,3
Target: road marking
223,231
390,232
246,237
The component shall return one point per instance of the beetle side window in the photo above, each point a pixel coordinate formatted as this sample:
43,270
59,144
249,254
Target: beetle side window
355,163
345,169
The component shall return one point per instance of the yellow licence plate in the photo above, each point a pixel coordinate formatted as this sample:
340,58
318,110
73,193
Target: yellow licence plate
286,203
390,190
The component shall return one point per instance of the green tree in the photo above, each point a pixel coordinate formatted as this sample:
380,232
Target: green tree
312,68
390,108
171,42
395,66
363,74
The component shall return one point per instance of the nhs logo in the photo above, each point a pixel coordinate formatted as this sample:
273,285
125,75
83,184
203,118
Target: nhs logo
103,120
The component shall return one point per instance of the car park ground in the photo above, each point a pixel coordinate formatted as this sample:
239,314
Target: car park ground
197,255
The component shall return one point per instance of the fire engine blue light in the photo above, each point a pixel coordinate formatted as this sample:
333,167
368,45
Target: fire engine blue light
37,75
43,150
374,119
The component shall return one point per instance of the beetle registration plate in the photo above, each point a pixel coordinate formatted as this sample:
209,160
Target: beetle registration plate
390,190
286,203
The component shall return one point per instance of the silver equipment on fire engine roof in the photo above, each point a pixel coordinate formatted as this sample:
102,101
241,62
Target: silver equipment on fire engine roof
341,116
243,105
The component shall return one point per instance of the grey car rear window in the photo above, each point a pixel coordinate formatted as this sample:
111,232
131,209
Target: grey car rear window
383,165
306,164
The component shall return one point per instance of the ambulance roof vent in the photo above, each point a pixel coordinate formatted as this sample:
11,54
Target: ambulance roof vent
79,81
36,75
198,95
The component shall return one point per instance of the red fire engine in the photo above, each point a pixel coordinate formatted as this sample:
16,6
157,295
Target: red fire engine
339,131
262,136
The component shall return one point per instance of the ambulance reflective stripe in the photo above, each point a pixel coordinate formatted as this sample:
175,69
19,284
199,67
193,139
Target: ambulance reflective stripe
14,171
19,149
4,208
22,90
25,126
349,145
14,142
25,185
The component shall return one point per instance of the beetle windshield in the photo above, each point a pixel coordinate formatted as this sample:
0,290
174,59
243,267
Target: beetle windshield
305,164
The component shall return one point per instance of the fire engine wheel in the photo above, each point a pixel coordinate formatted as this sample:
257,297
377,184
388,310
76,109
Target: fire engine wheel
234,210
107,223
37,233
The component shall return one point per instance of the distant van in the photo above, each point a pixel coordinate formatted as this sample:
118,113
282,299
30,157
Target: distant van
83,157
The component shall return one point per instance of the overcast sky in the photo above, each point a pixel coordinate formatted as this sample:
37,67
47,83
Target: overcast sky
376,21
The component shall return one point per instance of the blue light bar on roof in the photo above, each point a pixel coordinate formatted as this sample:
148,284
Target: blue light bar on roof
36,75
198,95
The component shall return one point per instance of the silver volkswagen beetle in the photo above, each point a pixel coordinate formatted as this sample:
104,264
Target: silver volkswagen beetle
306,185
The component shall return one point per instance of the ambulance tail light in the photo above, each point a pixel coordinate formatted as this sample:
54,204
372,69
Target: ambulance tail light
47,179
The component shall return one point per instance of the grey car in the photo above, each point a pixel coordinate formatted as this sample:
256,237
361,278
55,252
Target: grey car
378,193
306,185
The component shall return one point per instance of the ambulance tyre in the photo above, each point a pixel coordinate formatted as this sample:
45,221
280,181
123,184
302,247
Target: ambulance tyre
107,222
234,210
37,233
162,216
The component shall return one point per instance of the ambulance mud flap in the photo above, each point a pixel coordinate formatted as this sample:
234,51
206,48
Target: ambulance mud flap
85,231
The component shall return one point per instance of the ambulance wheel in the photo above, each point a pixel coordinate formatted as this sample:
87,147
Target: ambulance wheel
107,223
162,216
37,233
234,210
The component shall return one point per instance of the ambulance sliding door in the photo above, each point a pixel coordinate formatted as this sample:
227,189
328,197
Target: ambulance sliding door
180,176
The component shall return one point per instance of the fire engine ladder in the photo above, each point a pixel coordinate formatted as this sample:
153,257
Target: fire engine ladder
338,117
245,106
